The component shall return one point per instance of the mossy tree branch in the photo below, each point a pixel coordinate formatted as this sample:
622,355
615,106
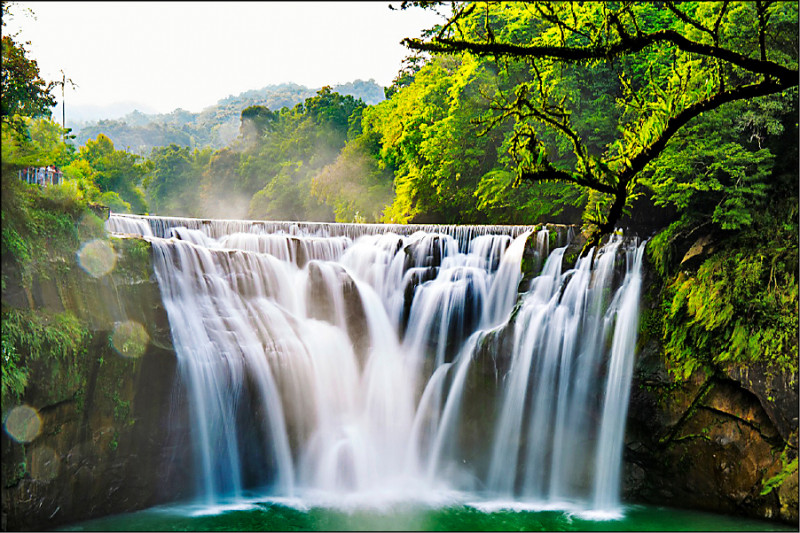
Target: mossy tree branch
627,44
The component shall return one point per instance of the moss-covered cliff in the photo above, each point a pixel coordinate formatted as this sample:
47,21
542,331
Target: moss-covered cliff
92,425
713,417
101,381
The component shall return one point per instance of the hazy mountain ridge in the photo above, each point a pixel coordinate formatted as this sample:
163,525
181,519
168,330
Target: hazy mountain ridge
215,126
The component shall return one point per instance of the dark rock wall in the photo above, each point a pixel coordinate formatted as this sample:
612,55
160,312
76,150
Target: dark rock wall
117,439
711,442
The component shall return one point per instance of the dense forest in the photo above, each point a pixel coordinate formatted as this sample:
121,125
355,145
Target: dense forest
674,120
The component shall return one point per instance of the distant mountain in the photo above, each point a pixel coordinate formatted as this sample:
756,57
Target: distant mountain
215,126
79,115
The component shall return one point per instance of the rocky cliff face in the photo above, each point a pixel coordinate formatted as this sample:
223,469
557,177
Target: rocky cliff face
113,431
721,441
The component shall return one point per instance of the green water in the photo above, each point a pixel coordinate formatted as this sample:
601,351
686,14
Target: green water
266,516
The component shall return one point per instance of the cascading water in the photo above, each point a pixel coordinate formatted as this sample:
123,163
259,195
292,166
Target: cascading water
334,362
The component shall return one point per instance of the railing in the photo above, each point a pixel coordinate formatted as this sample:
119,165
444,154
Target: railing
41,176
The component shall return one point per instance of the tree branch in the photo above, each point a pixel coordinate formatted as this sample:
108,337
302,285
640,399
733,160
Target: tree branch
629,44
551,173
688,20
681,119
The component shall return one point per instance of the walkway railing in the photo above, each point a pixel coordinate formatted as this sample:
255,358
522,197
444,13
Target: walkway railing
41,176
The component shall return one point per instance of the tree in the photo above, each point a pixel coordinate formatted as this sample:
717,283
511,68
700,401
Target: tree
285,150
255,121
23,91
114,171
670,67
354,184
35,142
172,185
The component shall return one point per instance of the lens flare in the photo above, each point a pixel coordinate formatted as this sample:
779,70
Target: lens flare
23,423
44,463
97,258
130,339
90,227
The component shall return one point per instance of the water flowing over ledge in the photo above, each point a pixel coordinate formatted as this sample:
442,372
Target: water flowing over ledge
344,363
463,234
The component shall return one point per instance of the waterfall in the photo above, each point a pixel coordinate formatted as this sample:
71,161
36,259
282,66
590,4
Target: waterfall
345,362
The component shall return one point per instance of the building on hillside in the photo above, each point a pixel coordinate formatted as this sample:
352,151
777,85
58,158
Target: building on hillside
41,176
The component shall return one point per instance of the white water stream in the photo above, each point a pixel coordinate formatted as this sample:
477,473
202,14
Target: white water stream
339,363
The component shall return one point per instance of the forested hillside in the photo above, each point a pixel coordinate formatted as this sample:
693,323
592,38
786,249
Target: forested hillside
215,126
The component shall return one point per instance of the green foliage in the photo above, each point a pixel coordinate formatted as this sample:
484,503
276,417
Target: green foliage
122,408
354,184
15,375
708,168
448,166
740,306
256,121
24,92
117,175
285,160
42,228
34,142
30,337
506,202
283,197
172,185
214,127
597,90
789,467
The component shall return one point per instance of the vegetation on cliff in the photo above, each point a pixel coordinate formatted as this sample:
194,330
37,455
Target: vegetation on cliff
42,229
682,116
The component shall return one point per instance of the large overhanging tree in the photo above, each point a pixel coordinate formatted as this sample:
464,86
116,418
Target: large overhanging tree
673,62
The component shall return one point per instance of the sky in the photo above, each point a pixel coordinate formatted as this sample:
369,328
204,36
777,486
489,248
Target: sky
159,56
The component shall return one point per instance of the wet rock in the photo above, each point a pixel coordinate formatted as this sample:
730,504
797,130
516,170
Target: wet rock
788,499
322,294
414,278
777,392
698,252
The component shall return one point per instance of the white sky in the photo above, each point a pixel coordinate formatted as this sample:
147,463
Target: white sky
165,55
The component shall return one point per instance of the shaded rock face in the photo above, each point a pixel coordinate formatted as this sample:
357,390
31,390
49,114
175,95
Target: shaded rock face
711,442
481,404
118,439
776,392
